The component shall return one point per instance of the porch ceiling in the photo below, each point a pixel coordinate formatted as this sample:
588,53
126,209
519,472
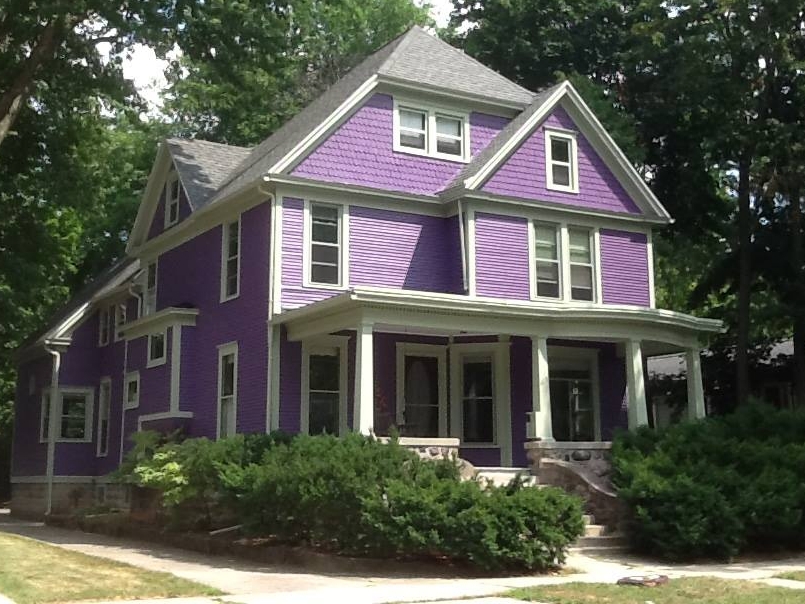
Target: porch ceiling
457,314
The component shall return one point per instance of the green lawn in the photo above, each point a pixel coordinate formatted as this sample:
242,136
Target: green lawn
32,572
703,590
793,575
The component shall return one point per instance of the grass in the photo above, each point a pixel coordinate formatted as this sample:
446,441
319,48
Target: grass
792,575
32,572
701,590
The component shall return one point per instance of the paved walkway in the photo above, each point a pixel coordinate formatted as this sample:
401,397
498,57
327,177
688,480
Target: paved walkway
250,583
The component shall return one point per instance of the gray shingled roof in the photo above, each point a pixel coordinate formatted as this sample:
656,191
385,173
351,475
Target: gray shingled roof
480,160
203,166
415,57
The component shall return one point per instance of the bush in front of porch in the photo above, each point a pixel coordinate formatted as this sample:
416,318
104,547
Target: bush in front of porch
357,496
718,487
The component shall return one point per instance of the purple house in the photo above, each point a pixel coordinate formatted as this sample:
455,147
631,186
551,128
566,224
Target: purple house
428,247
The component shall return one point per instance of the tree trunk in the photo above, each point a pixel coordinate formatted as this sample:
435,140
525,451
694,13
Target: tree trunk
798,261
12,99
744,282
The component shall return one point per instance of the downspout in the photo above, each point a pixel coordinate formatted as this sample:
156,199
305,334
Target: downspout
272,261
139,297
463,243
52,424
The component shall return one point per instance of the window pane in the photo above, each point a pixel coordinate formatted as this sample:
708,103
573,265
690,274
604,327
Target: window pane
174,190
547,248
479,424
581,283
412,120
232,239
227,417
320,273
560,149
157,350
579,246
325,253
477,379
548,280
228,375
323,413
131,391
449,146
561,175
448,125
74,408
412,139
324,214
324,373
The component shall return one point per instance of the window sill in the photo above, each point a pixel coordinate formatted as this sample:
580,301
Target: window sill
561,189
439,156
229,298
131,407
155,363
327,286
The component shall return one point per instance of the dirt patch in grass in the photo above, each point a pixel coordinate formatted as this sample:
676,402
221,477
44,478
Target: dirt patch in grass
792,575
701,590
32,572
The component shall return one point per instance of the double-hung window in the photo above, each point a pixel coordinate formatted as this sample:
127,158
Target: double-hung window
324,392
325,266
103,326
156,349
431,132
548,265
75,419
120,320
582,266
131,393
230,261
478,401
227,389
172,188
150,300
561,161
104,408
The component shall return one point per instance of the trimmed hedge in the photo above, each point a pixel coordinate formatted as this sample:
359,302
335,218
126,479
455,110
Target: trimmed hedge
717,487
357,496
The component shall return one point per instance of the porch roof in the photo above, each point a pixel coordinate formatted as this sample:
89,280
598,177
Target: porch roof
456,314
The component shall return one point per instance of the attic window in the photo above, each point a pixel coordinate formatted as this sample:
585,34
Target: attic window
431,132
172,200
561,161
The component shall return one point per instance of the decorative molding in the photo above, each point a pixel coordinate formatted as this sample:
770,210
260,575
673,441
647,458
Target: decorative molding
160,321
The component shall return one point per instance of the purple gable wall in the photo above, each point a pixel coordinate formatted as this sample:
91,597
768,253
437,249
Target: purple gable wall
523,174
501,257
158,221
624,268
360,152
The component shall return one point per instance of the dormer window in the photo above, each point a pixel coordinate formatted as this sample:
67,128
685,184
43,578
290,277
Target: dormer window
432,132
561,161
172,200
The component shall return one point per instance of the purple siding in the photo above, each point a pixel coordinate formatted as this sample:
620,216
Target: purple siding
487,457
521,396
158,221
29,456
624,268
401,250
360,152
501,257
290,384
613,391
523,174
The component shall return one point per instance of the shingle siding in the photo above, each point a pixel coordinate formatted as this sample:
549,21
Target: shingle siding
523,174
624,268
501,256
158,221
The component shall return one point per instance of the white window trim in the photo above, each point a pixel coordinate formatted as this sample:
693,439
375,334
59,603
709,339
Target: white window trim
564,257
430,130
593,267
104,381
103,326
224,350
328,345
147,308
132,376
573,164
90,406
44,404
307,242
156,362
579,358
225,258
439,352
173,177
120,312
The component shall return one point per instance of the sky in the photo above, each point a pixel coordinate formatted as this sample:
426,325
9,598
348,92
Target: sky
147,71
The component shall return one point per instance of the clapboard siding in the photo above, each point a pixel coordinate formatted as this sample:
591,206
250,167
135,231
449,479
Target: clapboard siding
501,256
624,267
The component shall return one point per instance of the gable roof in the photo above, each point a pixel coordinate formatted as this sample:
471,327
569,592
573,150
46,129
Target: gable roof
484,165
414,58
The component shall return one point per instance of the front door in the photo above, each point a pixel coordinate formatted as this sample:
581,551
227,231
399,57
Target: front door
572,406
421,393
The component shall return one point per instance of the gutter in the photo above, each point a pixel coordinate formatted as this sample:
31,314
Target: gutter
52,423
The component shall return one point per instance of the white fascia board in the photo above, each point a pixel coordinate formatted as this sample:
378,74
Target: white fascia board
343,110
150,199
479,102
159,321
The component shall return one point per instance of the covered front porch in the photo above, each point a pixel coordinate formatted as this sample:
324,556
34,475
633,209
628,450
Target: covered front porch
494,374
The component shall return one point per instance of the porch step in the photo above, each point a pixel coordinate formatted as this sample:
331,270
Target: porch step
500,477
601,543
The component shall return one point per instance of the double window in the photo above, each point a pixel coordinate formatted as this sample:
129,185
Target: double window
172,188
431,132
104,408
156,349
227,389
564,262
325,262
230,261
561,161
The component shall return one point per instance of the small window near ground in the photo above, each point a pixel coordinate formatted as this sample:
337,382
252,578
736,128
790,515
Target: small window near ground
561,161
227,390
324,398
104,407
582,268
230,261
74,416
478,404
150,299
131,393
44,416
172,188
548,261
413,129
156,349
103,326
325,244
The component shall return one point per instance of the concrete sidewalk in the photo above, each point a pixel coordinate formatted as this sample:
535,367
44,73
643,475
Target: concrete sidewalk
249,583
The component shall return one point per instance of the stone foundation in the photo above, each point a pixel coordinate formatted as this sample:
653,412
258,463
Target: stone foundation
29,499
593,457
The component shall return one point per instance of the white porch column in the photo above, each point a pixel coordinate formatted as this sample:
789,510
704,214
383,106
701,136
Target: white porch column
636,385
696,409
363,413
541,426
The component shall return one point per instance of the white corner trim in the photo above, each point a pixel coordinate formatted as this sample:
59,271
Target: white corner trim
437,351
324,127
326,346
176,366
273,411
105,381
277,258
598,268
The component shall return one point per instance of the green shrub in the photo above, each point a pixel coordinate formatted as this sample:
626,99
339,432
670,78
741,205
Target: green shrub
717,487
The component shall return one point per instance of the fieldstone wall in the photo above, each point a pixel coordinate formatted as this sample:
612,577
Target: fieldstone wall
29,500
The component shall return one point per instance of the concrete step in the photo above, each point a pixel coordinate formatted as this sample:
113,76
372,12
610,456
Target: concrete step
589,519
595,530
611,541
500,477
